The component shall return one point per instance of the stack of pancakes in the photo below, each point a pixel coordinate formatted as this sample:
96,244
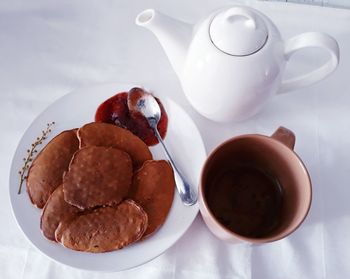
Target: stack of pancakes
99,188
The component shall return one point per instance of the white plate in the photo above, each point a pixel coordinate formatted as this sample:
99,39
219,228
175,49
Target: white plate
75,109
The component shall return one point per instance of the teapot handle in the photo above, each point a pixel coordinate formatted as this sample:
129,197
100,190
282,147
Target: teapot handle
310,40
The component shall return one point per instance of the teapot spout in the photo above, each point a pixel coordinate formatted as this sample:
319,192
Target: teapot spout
173,35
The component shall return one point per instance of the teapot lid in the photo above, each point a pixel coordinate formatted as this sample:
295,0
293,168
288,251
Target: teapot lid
238,31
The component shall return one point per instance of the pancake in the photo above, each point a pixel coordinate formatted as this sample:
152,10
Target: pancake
104,229
45,174
153,188
56,210
109,135
97,176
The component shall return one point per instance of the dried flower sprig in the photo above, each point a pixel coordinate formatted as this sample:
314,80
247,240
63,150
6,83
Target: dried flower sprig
27,161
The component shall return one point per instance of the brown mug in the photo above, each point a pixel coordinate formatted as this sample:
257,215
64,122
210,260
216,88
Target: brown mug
255,188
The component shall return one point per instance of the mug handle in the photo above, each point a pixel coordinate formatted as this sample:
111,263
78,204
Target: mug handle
284,136
310,40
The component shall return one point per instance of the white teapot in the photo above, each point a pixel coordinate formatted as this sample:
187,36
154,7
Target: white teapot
230,63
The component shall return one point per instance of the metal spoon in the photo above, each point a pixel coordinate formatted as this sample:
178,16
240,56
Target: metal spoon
147,105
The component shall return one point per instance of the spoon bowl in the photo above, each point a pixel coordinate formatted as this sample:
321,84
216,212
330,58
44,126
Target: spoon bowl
146,104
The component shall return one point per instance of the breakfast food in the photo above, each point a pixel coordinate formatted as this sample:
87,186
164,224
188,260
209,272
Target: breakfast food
97,176
103,134
104,229
153,188
56,210
45,174
98,186
119,110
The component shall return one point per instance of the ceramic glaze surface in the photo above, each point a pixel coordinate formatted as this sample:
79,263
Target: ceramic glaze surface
233,61
223,87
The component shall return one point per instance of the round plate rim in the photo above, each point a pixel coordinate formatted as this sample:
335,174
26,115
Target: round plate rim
12,165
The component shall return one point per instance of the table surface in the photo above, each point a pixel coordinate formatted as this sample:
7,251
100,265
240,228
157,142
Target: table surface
48,48
328,3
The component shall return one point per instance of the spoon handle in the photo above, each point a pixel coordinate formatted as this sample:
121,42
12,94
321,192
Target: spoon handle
187,194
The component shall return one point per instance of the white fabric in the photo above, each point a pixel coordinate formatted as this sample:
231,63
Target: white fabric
48,48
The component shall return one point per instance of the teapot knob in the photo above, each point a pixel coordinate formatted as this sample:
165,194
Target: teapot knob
237,13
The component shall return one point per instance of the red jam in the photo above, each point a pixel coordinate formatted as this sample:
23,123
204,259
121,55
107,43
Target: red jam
115,110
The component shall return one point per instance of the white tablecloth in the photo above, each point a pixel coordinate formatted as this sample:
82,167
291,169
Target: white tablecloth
48,48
